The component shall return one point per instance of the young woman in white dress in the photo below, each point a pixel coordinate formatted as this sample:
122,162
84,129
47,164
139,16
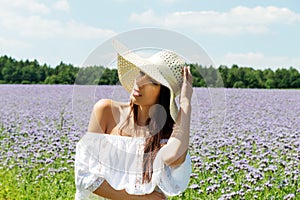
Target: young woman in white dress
139,149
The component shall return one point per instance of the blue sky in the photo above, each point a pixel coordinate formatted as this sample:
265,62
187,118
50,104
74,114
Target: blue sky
258,34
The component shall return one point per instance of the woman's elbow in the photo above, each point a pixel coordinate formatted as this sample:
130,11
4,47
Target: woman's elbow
173,160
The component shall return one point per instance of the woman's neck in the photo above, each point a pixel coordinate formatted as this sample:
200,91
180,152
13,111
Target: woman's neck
143,115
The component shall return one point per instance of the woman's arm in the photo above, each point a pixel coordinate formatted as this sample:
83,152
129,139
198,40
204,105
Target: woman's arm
101,116
174,152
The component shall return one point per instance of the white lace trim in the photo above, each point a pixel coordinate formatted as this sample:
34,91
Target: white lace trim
96,184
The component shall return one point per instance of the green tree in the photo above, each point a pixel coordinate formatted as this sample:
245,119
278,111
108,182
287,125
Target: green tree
224,71
282,78
232,76
13,71
66,74
53,79
269,79
239,84
198,80
294,78
89,75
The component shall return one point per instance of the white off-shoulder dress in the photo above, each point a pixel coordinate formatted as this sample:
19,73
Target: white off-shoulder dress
118,160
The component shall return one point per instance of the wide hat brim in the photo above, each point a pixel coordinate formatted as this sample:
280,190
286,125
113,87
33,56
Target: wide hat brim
129,66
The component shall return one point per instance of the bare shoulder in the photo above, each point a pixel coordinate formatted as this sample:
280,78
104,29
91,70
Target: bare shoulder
103,105
106,115
110,107
100,117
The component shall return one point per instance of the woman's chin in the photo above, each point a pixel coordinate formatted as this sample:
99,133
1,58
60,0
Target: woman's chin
133,99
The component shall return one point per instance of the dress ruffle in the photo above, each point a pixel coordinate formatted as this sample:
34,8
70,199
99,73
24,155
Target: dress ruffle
118,160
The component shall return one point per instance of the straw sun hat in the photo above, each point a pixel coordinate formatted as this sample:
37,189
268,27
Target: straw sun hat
164,67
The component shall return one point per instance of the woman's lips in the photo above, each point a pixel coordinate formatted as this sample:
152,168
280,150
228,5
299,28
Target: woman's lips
136,93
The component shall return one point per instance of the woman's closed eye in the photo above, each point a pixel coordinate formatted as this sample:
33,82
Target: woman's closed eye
154,82
146,77
142,73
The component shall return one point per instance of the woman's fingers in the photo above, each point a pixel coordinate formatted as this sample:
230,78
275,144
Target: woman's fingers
187,88
184,73
187,75
160,195
153,196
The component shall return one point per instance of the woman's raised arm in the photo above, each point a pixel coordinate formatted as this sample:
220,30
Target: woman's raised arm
174,152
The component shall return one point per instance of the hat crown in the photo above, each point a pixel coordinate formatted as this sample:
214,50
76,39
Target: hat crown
165,67
170,60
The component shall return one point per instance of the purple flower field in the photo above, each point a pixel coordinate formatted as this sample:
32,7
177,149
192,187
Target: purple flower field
244,145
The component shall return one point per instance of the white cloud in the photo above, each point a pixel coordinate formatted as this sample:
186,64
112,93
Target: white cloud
238,20
78,30
32,26
13,44
258,60
62,5
247,56
24,5
33,30
147,17
39,26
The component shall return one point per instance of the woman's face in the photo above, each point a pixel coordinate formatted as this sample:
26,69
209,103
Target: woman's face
145,90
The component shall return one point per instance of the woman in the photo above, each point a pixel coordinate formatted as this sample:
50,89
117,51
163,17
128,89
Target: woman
139,150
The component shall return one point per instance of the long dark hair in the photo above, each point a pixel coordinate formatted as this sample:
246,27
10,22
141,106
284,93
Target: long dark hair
161,131
158,130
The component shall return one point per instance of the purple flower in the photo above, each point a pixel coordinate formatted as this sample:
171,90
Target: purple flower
194,186
289,196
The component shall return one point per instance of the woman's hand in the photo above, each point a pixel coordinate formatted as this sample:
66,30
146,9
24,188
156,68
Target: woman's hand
187,88
105,190
152,196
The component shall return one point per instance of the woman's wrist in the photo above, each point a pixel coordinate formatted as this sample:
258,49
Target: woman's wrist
185,105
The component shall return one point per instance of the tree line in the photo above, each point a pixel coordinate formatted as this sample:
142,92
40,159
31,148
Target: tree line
31,72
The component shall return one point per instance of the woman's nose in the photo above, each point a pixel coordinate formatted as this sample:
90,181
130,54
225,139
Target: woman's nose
140,80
